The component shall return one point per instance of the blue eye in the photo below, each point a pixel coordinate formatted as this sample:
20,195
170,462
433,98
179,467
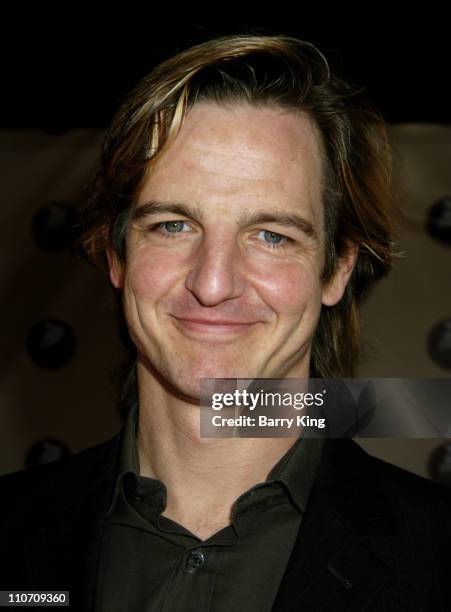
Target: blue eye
173,227
273,237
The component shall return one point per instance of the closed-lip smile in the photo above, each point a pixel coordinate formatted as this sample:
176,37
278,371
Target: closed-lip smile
214,321
213,326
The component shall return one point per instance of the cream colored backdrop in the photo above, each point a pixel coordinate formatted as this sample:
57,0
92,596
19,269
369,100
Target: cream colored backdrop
417,294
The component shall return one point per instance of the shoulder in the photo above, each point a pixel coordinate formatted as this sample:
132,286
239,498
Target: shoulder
409,499
402,483
71,477
348,456
417,500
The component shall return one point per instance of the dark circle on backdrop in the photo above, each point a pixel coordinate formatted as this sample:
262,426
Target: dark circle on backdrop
438,222
46,451
54,226
439,464
51,343
439,344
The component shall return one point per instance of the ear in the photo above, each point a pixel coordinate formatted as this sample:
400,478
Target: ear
333,291
116,269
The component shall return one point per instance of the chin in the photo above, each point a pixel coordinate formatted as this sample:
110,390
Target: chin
188,383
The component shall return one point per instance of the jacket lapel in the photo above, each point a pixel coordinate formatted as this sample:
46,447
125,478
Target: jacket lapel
342,556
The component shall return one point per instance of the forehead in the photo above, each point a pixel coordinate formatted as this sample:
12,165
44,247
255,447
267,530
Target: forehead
225,154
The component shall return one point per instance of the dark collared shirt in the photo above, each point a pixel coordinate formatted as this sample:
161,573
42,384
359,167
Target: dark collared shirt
149,563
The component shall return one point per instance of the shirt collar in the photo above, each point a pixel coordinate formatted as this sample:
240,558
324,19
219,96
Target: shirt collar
128,453
128,456
296,469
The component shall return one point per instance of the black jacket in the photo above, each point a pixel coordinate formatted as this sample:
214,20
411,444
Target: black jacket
374,537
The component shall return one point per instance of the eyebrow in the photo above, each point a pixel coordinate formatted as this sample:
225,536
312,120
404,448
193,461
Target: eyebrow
155,208
286,219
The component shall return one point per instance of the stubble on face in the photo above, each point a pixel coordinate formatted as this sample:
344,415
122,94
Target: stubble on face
227,166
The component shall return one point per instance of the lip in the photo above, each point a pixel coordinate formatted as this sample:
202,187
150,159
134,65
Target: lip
214,327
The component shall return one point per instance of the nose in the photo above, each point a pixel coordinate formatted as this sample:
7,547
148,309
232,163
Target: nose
217,272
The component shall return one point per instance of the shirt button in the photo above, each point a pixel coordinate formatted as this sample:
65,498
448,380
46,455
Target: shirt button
194,561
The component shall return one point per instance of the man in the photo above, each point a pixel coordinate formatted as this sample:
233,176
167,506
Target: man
243,208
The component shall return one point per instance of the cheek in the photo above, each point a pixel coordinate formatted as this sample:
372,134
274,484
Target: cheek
150,276
290,289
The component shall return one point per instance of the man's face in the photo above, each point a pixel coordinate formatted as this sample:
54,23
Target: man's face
225,249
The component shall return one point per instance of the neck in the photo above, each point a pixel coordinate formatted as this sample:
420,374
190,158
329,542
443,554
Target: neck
191,467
